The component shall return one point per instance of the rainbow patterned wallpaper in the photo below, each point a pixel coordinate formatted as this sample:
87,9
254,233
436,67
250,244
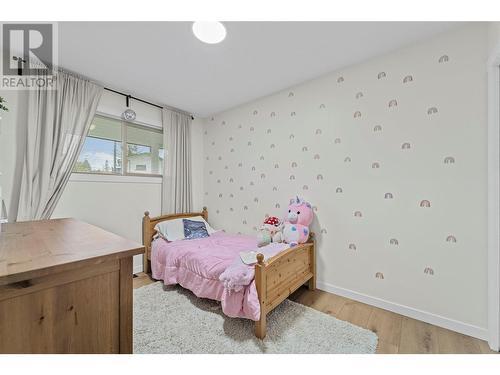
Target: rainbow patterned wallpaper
392,155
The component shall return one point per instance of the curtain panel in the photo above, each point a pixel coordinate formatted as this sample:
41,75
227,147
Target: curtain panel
58,121
177,184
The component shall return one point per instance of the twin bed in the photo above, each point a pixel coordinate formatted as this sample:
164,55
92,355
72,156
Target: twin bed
199,263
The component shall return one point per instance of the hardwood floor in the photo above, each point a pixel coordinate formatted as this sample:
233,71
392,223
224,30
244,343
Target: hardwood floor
396,333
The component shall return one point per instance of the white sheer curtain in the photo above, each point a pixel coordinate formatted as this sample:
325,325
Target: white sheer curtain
58,122
177,186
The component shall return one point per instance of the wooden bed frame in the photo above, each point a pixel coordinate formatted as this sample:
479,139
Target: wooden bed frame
275,279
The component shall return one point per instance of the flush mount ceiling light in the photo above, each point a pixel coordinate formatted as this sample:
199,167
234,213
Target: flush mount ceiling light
211,32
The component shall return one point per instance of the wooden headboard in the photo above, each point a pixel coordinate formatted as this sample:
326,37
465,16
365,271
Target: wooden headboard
148,230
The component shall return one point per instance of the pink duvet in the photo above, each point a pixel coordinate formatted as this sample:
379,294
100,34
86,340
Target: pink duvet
197,265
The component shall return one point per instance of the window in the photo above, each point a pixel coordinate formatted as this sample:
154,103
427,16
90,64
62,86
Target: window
143,150
117,147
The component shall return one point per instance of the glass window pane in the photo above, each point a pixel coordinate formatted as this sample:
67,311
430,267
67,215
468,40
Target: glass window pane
139,158
100,155
143,150
102,150
107,128
161,157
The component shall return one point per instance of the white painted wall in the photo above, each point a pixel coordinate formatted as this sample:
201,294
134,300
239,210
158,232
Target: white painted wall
197,147
493,35
494,186
115,203
300,126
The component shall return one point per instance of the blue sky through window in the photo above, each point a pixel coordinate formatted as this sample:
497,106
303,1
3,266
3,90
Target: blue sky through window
103,155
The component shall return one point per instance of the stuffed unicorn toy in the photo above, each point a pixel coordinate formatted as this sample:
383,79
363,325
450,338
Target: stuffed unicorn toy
300,216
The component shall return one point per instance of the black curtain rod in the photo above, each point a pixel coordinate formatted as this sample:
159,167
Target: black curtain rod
139,100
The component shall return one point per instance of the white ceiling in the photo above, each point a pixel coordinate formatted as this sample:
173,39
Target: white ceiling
163,61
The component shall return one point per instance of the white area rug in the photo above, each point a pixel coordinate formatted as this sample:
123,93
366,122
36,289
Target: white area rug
173,320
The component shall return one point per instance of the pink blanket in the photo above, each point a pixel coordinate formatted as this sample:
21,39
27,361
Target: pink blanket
198,264
238,275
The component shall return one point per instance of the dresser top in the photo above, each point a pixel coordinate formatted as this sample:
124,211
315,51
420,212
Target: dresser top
37,248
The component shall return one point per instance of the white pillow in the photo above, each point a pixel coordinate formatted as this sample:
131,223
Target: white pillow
173,230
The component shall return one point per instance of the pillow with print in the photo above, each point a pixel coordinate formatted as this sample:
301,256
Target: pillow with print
173,230
194,229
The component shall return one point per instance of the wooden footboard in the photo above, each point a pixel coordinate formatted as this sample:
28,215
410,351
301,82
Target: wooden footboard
281,275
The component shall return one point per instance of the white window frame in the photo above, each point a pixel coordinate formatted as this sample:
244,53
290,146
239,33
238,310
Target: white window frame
124,172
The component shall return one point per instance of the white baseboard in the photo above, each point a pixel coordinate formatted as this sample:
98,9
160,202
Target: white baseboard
438,320
137,268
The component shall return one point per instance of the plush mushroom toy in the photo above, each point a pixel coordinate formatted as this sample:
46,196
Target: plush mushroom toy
270,231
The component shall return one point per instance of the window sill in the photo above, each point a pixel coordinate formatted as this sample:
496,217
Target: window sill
94,177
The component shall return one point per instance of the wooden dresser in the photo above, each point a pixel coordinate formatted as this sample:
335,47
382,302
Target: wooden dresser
65,287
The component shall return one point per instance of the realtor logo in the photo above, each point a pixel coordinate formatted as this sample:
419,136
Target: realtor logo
28,55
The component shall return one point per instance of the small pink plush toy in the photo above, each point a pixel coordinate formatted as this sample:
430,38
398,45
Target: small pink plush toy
300,216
